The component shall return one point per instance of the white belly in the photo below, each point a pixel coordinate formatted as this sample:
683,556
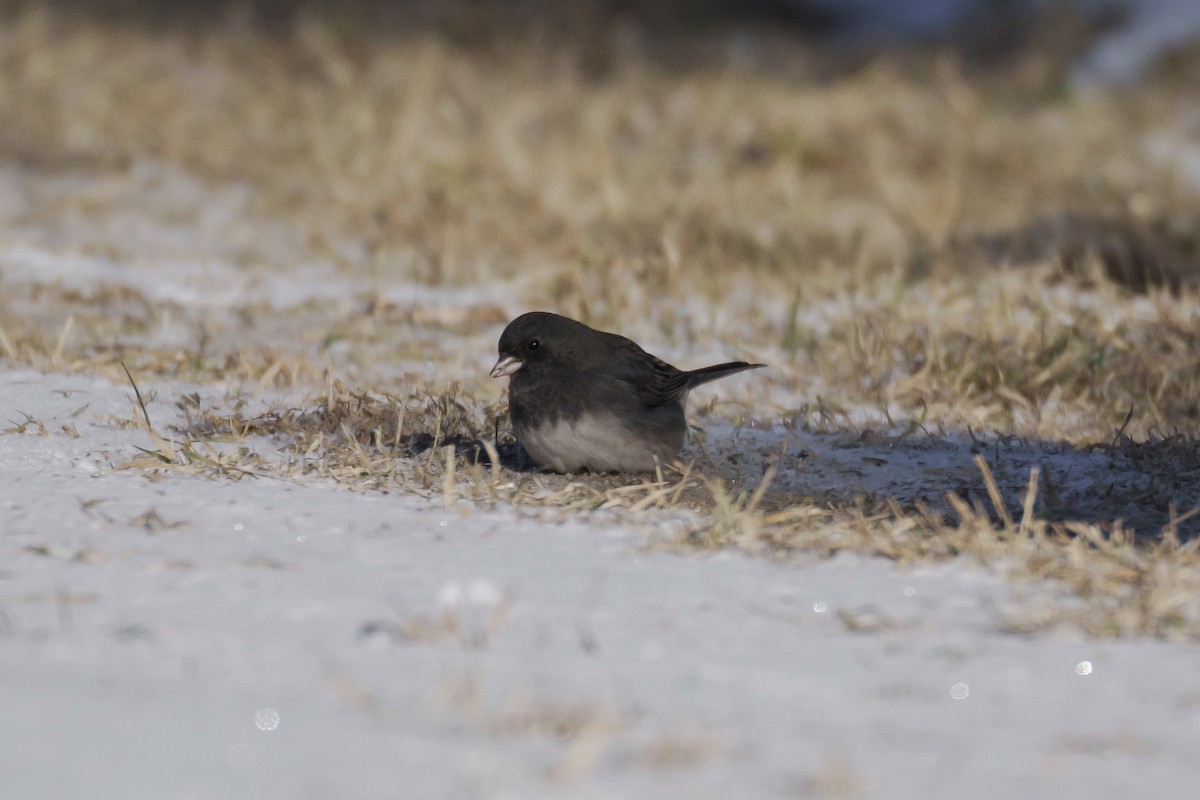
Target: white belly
599,444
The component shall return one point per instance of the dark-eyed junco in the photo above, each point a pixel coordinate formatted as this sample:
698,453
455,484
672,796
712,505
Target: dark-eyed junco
580,398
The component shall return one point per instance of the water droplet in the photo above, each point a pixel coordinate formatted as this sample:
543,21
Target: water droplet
482,593
302,538
1083,668
450,595
1116,689
960,691
267,719
237,526
910,591
442,523
820,607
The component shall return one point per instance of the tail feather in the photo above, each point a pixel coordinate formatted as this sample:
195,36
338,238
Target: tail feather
703,375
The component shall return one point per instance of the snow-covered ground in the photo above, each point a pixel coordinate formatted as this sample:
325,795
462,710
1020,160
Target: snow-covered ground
181,637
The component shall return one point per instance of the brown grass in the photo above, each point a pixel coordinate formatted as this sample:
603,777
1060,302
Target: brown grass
912,245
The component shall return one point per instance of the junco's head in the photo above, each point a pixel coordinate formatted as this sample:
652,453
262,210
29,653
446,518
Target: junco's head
538,339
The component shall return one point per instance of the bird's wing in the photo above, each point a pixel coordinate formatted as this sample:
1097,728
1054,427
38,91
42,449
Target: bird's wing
654,381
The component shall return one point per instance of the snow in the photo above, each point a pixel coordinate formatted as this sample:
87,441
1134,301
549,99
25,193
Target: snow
1150,29
1145,30
271,639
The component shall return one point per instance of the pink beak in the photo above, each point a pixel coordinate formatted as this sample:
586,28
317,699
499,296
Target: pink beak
507,365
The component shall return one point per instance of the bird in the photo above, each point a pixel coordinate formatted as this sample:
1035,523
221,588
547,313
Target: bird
585,400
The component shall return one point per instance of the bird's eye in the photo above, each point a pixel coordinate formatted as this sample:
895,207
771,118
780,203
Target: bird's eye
534,344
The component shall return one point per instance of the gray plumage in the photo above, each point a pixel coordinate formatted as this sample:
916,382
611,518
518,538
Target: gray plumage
580,398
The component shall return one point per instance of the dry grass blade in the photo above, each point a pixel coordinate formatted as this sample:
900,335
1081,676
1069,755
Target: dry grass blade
994,492
138,394
1027,513
448,478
